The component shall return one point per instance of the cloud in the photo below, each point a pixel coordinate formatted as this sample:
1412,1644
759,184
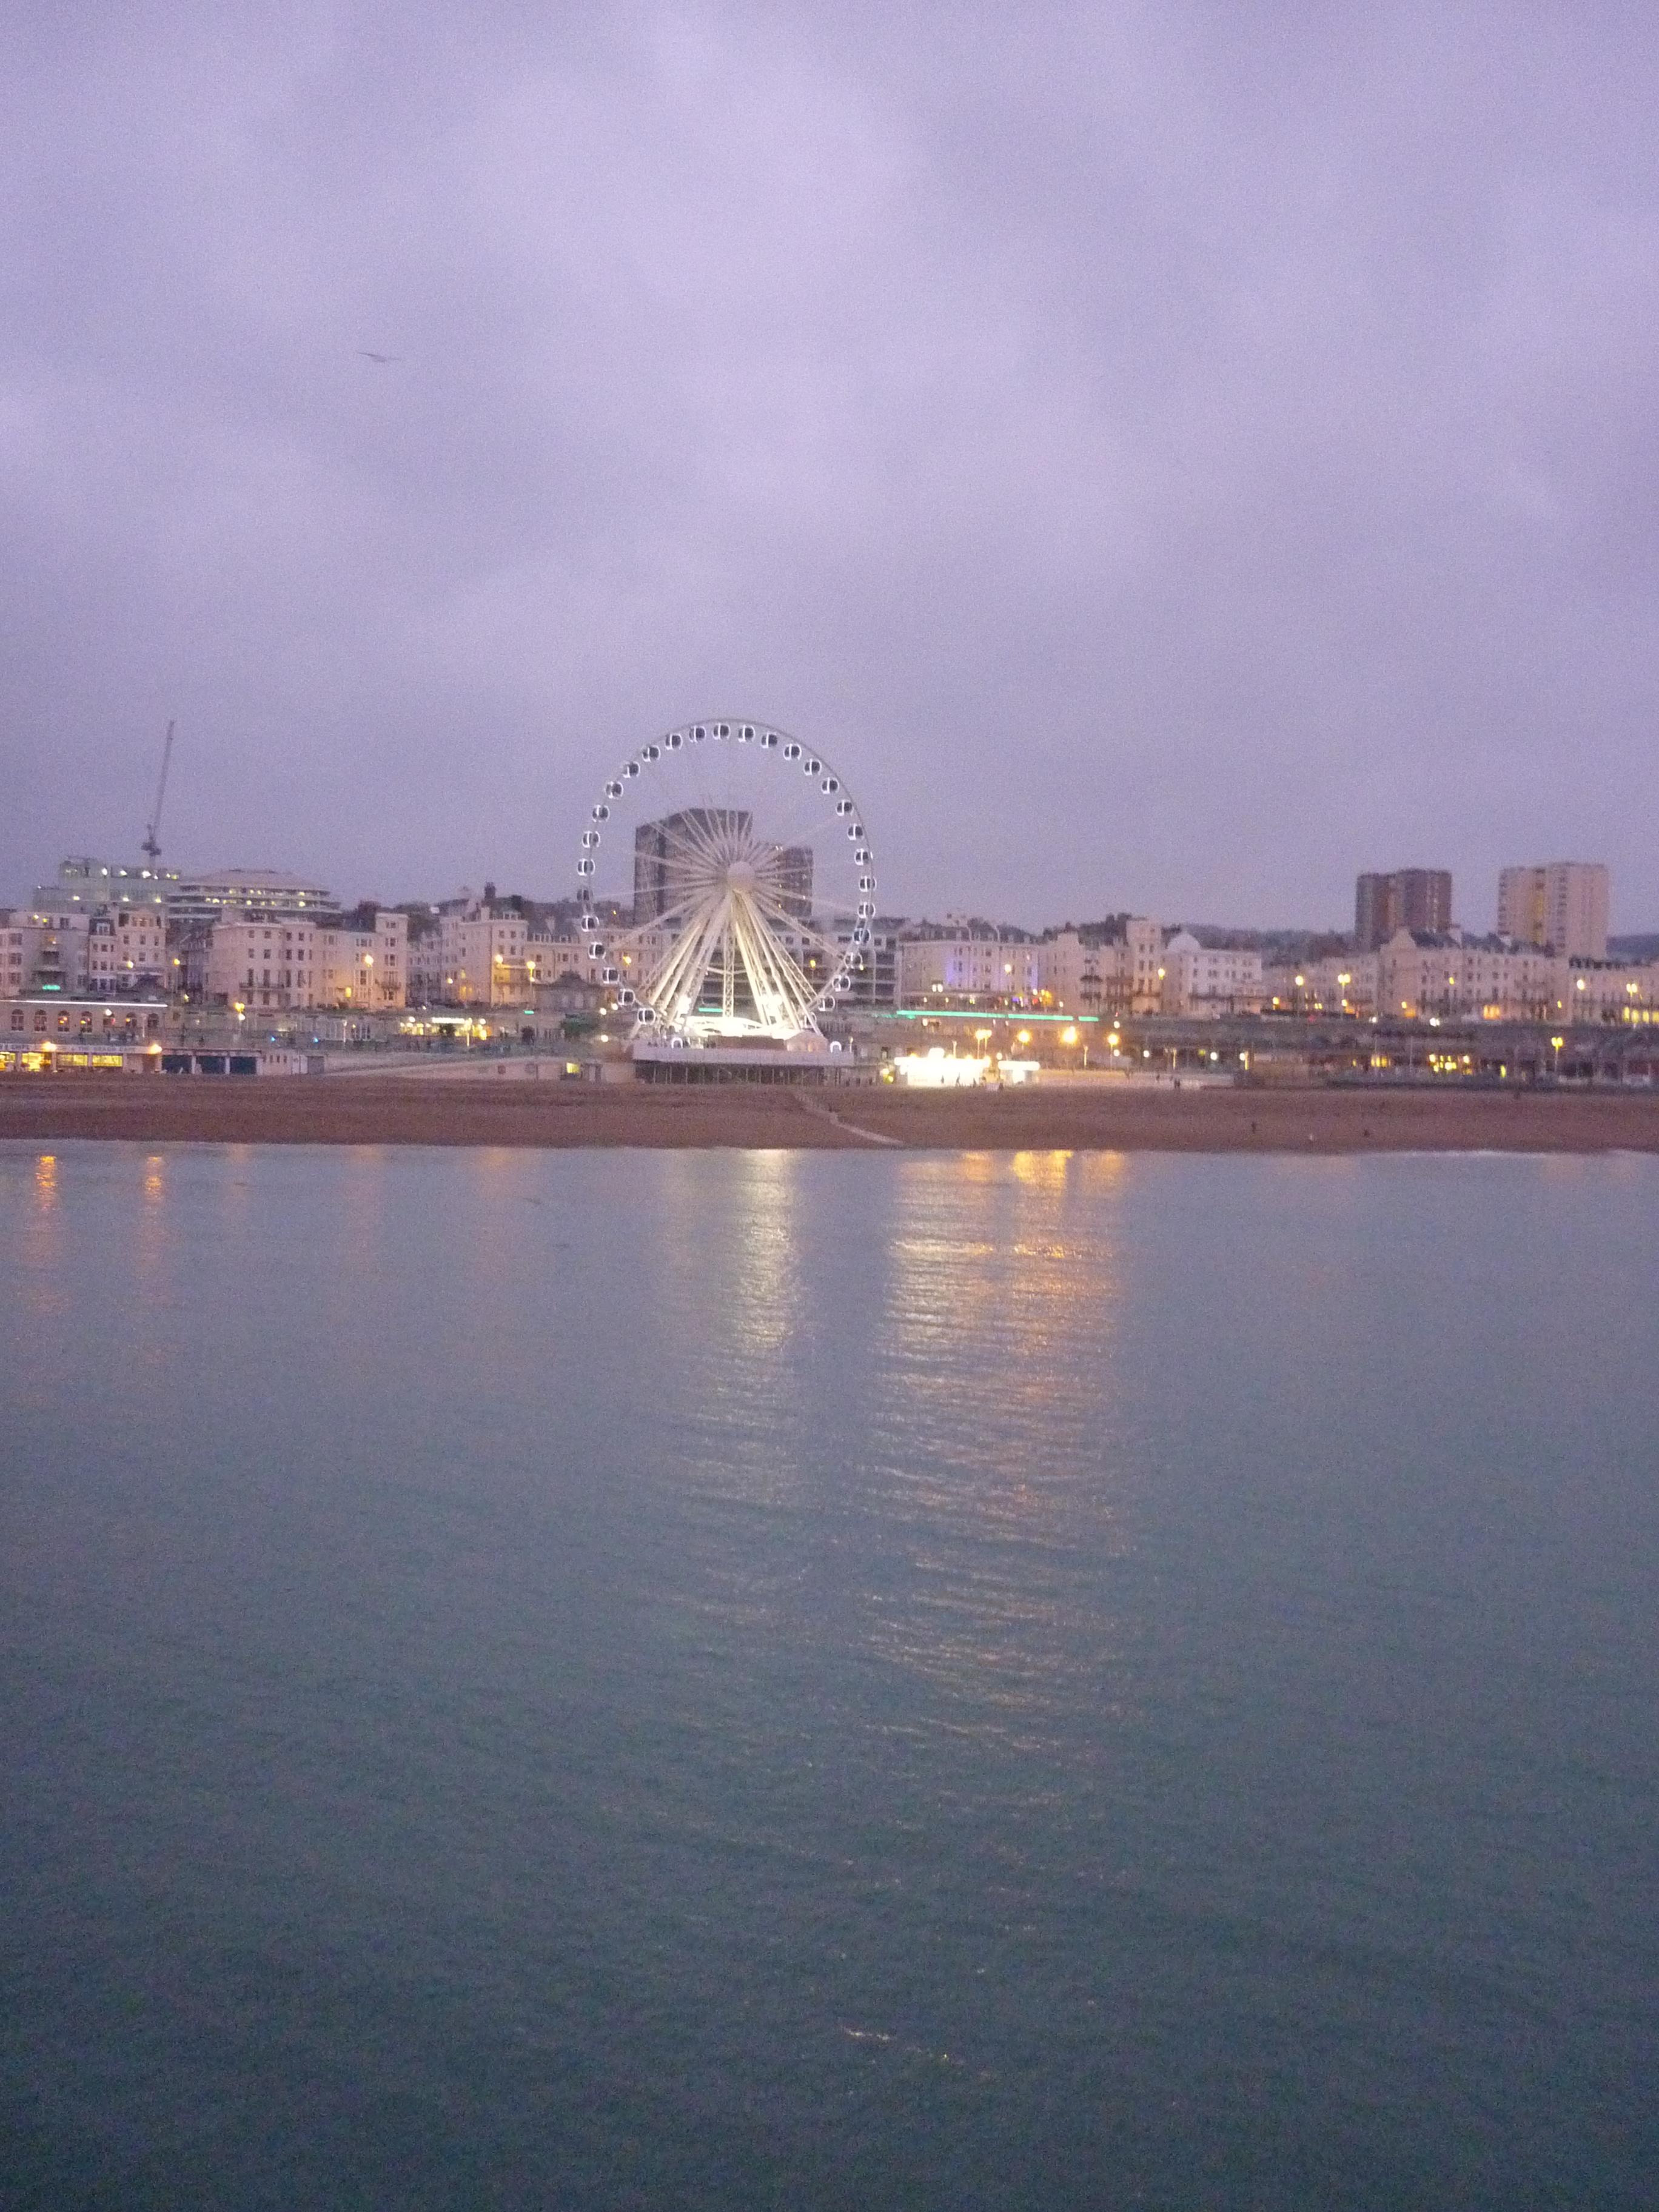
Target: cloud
1170,456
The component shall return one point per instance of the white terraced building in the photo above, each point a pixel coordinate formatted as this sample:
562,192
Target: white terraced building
1425,977
283,963
1209,979
968,964
127,949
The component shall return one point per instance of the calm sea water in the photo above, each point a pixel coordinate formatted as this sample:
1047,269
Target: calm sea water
737,1678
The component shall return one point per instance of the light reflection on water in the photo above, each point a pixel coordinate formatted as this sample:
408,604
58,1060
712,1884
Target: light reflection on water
1001,1326
39,1232
1046,1677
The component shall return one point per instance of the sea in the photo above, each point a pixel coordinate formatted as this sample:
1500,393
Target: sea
722,1679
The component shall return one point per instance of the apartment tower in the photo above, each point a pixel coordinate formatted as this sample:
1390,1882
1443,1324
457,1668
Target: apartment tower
1410,898
1562,904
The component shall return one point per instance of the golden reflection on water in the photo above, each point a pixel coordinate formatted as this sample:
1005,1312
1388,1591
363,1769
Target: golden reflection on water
741,1257
740,1264
765,1283
1005,1295
151,1346
1041,1170
40,1247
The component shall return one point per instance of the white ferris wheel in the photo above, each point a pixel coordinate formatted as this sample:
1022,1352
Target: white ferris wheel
727,885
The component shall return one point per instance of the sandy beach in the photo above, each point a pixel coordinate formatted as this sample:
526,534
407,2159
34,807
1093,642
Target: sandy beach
403,1111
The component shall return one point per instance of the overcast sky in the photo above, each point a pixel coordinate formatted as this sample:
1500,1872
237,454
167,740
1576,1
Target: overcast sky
1167,456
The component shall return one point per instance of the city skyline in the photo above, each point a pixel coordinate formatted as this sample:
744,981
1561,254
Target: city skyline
1483,919
1192,454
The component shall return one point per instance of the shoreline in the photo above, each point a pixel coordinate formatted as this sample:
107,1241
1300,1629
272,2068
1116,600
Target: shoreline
394,1110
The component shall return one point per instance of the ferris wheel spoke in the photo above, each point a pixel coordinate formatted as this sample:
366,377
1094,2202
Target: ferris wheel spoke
690,869
680,980
712,824
776,903
694,832
806,929
667,974
744,937
683,906
643,939
698,832
811,808
786,974
684,900
769,983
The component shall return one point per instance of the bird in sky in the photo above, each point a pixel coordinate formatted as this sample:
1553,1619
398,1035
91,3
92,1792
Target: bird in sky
381,357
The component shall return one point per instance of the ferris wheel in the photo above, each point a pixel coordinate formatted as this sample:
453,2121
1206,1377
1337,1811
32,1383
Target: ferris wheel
727,883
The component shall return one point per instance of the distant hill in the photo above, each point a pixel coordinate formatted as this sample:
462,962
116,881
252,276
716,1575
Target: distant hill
1273,944
1634,948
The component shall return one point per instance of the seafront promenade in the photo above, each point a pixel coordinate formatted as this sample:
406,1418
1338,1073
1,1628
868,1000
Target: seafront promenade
397,1111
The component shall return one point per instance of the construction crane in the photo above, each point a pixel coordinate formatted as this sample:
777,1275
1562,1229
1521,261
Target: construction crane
152,844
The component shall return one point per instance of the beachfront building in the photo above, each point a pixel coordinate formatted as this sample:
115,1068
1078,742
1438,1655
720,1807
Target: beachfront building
39,1035
562,980
1209,979
481,954
1107,969
126,949
547,958
361,960
1606,991
1424,975
424,955
1340,983
262,967
1072,968
43,948
874,978
1123,960
281,964
968,964
1140,967
1428,977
